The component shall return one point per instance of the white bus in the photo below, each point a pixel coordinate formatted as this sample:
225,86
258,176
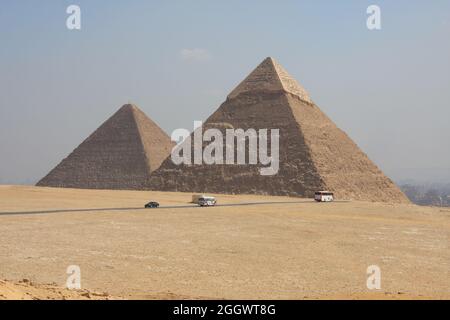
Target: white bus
324,196
206,201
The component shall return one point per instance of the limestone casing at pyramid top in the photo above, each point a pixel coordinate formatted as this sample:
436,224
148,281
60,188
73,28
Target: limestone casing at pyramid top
270,76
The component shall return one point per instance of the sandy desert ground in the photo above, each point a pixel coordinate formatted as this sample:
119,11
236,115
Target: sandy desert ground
297,250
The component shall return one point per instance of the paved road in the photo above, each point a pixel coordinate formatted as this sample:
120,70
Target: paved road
161,207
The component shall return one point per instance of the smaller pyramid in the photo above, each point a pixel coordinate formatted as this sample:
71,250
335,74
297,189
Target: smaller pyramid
120,154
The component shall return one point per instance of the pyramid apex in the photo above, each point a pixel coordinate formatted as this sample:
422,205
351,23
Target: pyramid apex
270,76
129,106
270,59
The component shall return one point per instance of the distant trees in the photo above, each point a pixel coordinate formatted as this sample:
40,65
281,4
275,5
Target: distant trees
433,195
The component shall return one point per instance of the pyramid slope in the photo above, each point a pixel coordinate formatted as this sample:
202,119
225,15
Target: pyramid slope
314,153
341,164
120,154
156,143
297,174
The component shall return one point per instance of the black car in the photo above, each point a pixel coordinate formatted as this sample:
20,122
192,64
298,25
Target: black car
152,204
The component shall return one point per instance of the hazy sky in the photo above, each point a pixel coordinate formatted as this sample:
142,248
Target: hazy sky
177,60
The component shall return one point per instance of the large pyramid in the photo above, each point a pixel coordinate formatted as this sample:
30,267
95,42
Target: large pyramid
314,153
120,154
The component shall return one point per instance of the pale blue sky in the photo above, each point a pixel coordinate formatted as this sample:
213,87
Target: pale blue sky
388,89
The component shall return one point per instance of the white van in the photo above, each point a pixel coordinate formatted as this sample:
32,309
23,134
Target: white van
206,201
324,196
